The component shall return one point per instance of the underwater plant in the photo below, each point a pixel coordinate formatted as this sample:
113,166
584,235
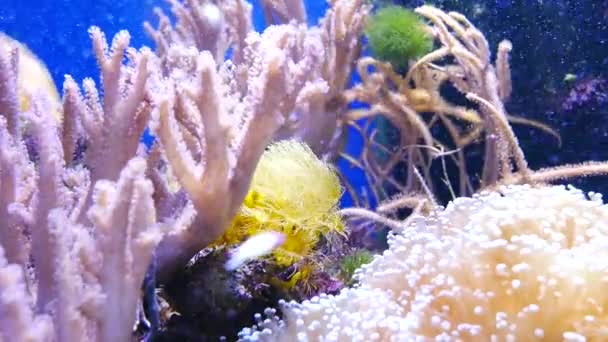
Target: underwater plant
352,262
397,35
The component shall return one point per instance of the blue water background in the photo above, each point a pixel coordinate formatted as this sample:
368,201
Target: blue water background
56,30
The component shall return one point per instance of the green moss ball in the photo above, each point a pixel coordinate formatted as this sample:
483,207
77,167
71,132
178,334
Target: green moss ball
397,35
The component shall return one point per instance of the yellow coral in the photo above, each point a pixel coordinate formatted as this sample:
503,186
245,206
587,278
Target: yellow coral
33,77
292,192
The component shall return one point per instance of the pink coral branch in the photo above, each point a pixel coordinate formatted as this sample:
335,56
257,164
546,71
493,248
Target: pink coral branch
12,165
17,319
9,105
15,169
124,217
283,11
232,146
73,110
50,194
115,122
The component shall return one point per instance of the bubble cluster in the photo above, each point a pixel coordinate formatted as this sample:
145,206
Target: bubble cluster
522,263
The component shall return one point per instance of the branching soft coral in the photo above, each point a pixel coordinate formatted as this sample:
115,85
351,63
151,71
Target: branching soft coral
59,278
414,104
226,143
216,116
462,59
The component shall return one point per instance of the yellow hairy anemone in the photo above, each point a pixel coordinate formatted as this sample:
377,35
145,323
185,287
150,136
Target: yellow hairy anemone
520,264
293,193
34,77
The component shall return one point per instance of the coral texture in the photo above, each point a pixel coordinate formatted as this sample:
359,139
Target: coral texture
84,207
216,116
89,231
522,263
294,193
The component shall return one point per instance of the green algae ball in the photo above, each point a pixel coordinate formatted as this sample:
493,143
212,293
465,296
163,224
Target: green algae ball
397,35
352,262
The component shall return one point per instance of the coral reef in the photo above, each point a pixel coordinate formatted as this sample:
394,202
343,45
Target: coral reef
217,116
88,215
84,209
468,271
81,227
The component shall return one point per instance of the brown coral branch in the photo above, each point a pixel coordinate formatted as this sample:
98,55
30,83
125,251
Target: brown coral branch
283,11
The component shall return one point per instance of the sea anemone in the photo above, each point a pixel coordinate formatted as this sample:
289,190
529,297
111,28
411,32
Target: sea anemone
519,264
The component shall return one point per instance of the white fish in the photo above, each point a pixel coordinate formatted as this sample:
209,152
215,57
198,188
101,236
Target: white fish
254,247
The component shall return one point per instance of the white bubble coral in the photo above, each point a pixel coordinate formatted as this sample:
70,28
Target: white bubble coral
520,264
